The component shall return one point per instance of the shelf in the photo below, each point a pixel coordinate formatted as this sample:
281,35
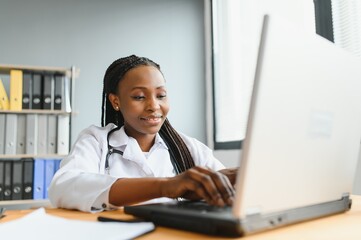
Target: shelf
5,68
50,128
46,156
24,204
36,111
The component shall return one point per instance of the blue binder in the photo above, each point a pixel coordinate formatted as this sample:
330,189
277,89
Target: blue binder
39,170
57,165
49,173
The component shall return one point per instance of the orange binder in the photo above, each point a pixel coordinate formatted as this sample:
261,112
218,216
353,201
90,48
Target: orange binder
16,90
4,100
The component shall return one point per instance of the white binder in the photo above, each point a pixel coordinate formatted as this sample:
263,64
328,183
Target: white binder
52,130
21,134
31,133
66,97
42,134
63,134
2,133
10,134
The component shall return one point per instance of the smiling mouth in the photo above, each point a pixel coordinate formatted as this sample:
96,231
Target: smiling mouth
152,119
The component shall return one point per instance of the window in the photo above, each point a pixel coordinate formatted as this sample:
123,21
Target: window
230,92
235,27
339,21
346,19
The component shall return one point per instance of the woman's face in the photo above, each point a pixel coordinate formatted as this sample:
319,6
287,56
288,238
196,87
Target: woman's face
142,100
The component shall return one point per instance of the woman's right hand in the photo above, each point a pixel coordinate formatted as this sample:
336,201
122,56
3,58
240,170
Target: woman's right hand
200,183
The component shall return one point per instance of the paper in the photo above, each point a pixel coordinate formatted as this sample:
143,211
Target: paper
39,225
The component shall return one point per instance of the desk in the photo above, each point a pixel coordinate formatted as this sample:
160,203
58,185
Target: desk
341,226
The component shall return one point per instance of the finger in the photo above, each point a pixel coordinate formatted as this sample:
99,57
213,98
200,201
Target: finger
196,188
208,185
222,183
229,189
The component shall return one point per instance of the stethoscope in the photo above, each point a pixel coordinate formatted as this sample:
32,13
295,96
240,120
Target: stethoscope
112,150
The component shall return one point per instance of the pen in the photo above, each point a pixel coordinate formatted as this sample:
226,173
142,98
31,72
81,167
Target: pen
106,219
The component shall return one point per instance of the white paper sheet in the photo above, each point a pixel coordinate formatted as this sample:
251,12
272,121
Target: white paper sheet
39,225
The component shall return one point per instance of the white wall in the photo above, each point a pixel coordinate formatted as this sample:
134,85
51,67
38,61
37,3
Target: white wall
91,34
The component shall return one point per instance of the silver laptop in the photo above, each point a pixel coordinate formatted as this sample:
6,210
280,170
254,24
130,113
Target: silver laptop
301,148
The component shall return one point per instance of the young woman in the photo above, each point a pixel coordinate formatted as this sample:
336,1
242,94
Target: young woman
137,156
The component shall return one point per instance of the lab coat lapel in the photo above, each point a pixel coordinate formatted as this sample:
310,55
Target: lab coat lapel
133,153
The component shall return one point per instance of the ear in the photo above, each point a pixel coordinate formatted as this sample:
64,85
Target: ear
114,100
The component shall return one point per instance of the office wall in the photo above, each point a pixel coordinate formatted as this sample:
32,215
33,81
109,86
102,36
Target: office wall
91,34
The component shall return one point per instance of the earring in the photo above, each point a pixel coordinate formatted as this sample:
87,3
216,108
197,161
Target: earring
116,108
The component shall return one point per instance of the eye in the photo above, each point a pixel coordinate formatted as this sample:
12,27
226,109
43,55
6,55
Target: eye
162,96
138,97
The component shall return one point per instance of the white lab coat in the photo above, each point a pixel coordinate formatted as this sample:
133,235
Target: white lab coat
82,183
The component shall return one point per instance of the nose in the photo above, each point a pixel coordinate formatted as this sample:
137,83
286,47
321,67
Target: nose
153,104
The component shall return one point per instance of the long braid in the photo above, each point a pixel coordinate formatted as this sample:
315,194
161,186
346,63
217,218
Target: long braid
115,72
176,147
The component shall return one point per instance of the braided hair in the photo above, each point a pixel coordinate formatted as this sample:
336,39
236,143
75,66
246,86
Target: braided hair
179,152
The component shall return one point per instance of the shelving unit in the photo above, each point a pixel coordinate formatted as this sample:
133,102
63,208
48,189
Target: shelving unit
51,128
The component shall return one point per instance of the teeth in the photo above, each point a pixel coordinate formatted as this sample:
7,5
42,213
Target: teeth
155,118
150,119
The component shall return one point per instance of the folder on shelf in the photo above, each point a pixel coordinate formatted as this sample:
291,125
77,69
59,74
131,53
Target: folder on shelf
27,90
28,176
57,165
7,180
4,100
17,179
48,91
49,173
42,134
39,170
21,134
10,134
37,91
66,97
52,130
63,134
58,91
2,133
2,173
16,90
32,134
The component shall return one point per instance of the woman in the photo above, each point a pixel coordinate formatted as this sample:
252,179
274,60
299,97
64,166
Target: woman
137,155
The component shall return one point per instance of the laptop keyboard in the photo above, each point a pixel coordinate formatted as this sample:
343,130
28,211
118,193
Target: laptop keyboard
198,206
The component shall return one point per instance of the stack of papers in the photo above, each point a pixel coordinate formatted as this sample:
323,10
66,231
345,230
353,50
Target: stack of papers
39,225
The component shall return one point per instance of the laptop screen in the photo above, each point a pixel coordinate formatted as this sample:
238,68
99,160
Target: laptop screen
303,133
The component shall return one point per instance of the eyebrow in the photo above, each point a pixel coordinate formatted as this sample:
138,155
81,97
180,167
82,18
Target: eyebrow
140,87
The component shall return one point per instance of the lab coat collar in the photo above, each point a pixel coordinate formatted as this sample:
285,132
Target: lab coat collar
131,149
120,139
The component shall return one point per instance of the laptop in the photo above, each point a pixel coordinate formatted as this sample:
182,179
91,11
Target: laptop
299,157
